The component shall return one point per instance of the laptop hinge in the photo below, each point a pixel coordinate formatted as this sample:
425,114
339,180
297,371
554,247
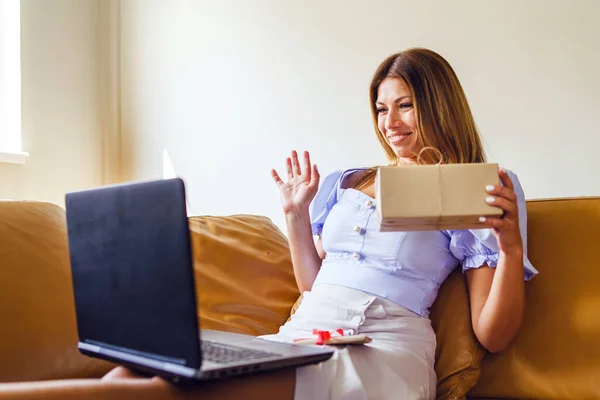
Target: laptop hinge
120,355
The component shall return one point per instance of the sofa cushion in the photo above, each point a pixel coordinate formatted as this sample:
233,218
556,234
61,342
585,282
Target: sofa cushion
458,353
243,271
556,353
38,334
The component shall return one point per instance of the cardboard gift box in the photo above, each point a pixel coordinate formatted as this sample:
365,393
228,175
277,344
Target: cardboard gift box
434,197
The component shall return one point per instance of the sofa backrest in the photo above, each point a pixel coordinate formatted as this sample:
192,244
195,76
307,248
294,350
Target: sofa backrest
556,354
243,271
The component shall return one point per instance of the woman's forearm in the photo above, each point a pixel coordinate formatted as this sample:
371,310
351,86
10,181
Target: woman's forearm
305,258
502,313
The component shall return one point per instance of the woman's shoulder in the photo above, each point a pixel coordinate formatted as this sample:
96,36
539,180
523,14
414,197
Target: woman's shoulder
347,171
347,175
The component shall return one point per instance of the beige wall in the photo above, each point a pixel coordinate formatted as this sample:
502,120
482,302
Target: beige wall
225,89
228,87
60,101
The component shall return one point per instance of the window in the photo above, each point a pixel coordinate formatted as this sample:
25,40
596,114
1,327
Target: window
10,82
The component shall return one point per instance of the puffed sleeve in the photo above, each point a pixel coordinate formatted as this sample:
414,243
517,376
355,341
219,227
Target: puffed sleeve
324,200
476,247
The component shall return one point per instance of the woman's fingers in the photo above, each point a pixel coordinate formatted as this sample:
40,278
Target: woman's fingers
288,166
293,168
493,222
276,177
314,182
506,181
503,197
295,164
505,228
502,191
306,165
507,206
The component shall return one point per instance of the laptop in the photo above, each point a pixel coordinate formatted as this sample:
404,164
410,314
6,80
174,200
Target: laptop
135,295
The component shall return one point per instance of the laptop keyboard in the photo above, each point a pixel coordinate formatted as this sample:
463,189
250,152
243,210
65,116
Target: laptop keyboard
224,354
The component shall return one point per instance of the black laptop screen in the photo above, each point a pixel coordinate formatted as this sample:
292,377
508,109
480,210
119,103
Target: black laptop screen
132,270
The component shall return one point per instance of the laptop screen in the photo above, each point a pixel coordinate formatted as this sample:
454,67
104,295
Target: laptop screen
132,269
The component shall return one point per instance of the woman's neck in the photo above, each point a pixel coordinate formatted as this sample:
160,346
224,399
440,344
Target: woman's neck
400,161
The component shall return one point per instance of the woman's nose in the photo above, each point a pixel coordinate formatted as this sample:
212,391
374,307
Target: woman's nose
392,120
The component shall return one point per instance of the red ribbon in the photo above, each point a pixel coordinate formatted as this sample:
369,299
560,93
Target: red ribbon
323,336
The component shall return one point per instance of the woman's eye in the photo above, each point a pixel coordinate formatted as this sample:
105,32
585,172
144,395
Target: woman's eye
406,105
380,110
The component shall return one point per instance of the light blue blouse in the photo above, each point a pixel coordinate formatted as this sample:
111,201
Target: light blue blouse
404,267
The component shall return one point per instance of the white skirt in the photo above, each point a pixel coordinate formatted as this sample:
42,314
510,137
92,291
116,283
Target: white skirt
397,364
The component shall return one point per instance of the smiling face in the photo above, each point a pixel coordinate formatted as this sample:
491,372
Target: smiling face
417,103
396,118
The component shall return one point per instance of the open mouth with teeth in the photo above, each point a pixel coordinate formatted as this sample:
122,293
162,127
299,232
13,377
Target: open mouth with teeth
398,138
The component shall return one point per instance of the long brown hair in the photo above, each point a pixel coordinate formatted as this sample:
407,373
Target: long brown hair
444,120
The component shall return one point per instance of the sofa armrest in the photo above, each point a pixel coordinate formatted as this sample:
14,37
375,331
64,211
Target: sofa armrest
273,385
95,389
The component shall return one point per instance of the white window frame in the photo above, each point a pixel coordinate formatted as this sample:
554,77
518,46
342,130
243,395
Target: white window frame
10,99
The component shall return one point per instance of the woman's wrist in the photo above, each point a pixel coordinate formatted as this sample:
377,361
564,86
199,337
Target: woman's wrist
513,254
297,214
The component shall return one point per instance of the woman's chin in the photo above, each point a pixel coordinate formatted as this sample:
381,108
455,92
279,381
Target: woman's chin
405,156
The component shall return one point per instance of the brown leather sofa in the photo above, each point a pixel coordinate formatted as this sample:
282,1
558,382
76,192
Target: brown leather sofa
245,284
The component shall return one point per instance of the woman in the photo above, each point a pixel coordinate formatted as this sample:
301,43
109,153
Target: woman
383,284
